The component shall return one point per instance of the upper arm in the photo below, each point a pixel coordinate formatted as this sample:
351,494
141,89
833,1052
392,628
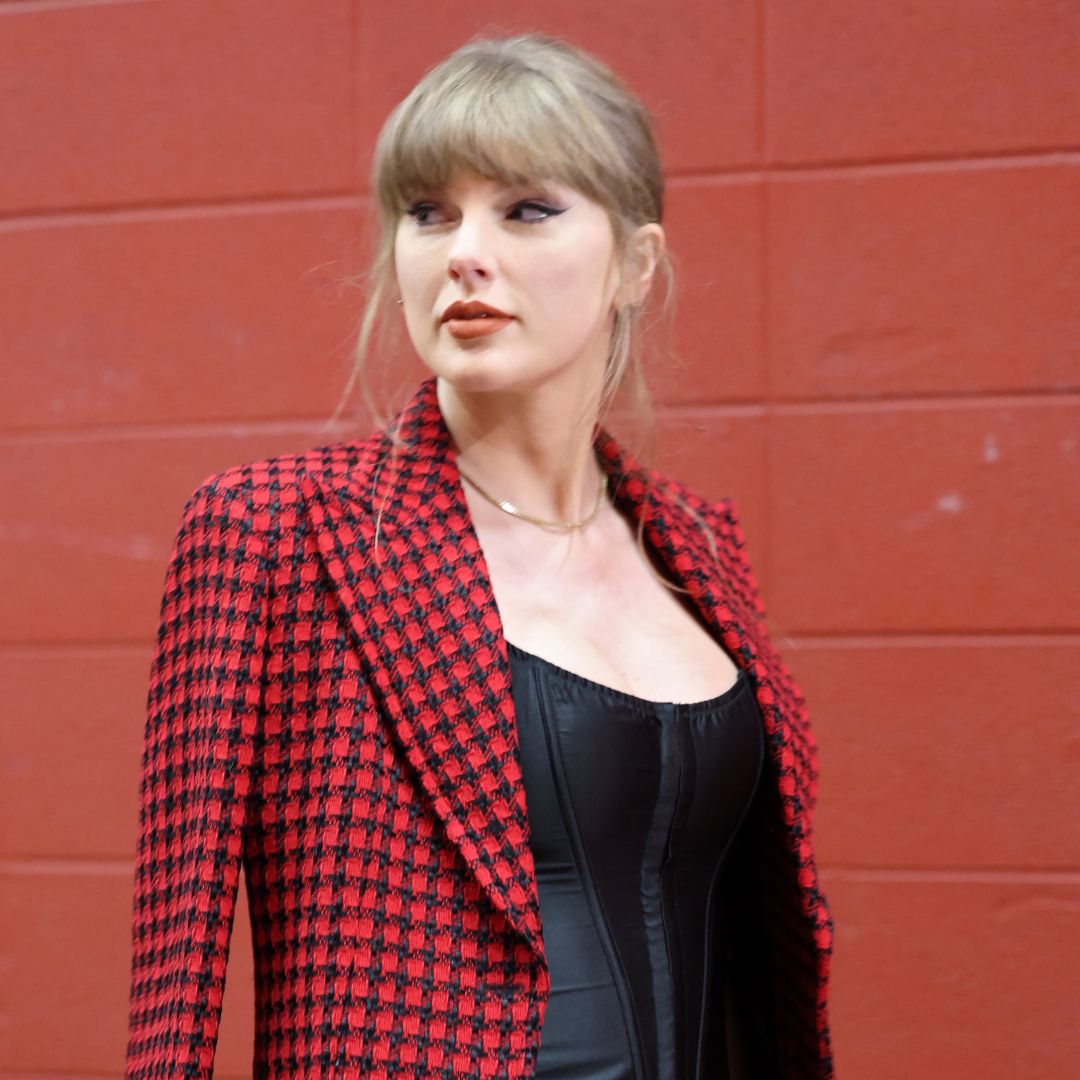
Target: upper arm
202,714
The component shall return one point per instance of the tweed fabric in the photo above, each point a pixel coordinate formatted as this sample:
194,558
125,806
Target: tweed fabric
334,716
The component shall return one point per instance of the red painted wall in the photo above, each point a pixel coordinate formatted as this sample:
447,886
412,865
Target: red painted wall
876,208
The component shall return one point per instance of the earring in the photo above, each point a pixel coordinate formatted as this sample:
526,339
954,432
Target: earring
399,301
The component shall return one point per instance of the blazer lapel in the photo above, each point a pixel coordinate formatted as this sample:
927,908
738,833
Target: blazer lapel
427,629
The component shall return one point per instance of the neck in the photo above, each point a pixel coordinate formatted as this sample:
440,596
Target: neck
531,446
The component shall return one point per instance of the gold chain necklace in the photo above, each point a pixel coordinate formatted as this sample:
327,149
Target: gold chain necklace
510,508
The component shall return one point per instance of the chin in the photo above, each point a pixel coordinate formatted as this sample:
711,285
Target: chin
482,371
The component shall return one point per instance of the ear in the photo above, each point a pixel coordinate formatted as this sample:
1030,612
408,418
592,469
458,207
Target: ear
643,252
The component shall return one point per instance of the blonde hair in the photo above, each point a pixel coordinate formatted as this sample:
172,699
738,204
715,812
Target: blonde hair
519,109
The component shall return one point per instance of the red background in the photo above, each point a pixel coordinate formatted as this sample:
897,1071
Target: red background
876,210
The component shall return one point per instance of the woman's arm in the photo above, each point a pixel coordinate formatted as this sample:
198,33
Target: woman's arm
203,710
727,519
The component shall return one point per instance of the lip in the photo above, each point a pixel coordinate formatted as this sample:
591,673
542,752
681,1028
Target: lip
464,309
474,328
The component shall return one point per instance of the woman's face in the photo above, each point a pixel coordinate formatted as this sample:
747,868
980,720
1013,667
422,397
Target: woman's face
542,253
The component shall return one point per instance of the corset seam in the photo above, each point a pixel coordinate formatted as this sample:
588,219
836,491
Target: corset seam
631,1020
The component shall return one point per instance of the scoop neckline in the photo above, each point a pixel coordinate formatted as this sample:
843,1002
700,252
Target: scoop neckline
706,705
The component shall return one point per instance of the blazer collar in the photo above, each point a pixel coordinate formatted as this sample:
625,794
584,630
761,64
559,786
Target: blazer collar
427,629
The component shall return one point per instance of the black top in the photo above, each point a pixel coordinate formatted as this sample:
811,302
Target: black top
633,805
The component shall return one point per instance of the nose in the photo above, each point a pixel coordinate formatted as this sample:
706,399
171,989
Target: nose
471,258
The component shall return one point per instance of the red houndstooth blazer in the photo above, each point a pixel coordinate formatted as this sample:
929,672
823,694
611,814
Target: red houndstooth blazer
338,721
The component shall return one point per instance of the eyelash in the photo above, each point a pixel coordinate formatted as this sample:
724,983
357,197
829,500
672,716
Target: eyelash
418,208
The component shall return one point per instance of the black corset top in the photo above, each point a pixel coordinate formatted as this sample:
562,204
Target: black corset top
632,806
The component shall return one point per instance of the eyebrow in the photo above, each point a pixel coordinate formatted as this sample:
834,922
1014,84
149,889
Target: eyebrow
546,185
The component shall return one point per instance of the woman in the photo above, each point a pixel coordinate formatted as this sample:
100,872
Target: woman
484,708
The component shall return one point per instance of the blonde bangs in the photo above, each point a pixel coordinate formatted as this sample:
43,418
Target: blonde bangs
507,121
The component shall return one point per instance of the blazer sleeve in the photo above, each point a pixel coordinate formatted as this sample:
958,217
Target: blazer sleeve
804,742
197,776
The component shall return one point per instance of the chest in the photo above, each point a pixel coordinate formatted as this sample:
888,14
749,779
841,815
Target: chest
602,610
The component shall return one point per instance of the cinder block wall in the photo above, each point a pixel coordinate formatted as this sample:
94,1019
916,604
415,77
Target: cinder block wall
876,210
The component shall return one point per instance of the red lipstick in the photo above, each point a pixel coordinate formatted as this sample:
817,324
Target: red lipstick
476,327
472,319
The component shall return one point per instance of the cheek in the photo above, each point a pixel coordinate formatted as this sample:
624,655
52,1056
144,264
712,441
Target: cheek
412,265
572,284
401,260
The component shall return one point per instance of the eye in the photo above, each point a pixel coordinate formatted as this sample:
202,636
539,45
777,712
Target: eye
547,211
420,210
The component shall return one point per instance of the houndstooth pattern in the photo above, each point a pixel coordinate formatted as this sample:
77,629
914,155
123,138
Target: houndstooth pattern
336,719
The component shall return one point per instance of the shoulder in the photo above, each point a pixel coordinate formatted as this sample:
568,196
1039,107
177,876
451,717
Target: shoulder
717,514
719,526
255,500
269,483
